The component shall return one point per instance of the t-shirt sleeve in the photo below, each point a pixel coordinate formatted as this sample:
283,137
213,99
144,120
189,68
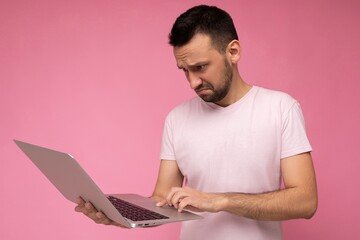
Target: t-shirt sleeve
294,138
167,150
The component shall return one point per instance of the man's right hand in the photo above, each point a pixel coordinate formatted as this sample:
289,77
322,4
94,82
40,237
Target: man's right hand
98,217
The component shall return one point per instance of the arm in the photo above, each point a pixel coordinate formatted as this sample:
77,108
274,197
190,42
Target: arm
297,200
169,176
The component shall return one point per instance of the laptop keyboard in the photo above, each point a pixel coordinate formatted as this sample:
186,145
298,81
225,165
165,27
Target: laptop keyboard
133,212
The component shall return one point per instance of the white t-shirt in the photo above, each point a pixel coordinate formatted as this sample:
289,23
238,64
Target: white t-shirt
234,149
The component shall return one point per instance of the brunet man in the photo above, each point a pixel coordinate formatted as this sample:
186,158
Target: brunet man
225,151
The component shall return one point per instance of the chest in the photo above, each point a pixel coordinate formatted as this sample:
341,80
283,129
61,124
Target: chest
227,151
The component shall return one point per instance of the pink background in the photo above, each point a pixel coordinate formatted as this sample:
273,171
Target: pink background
97,78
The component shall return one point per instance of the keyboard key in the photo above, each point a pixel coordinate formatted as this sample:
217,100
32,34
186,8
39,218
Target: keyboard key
133,212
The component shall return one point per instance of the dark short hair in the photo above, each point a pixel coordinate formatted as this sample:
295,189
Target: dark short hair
208,20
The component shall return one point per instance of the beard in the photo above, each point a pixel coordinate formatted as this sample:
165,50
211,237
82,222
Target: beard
217,93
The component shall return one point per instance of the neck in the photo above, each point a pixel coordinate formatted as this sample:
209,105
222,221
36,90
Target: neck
237,90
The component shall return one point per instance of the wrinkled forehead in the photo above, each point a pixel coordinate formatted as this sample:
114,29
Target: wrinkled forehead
198,49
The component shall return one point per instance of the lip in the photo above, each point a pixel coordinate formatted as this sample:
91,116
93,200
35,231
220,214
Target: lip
201,91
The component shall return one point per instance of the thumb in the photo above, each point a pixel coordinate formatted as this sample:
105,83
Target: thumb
161,203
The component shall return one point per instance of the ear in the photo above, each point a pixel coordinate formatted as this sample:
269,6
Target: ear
233,51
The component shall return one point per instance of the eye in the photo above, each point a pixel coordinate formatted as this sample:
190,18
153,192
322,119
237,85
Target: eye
201,67
186,71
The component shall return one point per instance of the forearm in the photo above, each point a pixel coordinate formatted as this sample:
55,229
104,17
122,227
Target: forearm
297,200
272,206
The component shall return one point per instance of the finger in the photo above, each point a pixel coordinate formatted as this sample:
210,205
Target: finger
88,209
80,201
161,203
170,195
80,207
184,203
178,198
101,218
89,206
175,199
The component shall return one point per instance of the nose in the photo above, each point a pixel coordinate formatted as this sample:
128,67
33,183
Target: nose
194,80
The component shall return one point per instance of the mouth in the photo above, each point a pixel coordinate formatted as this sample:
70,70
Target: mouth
202,90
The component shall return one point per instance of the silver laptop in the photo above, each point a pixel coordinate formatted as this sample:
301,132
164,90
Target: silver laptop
130,210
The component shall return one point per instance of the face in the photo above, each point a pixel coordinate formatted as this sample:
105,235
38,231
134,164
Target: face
207,70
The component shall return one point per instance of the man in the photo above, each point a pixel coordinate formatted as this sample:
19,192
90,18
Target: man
231,145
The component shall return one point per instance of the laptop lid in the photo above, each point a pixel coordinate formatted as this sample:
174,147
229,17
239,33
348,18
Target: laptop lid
65,173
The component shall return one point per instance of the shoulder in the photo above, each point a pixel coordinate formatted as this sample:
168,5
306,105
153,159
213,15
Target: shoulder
185,108
273,98
274,95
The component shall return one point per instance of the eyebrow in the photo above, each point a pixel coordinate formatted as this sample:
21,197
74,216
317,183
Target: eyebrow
195,64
